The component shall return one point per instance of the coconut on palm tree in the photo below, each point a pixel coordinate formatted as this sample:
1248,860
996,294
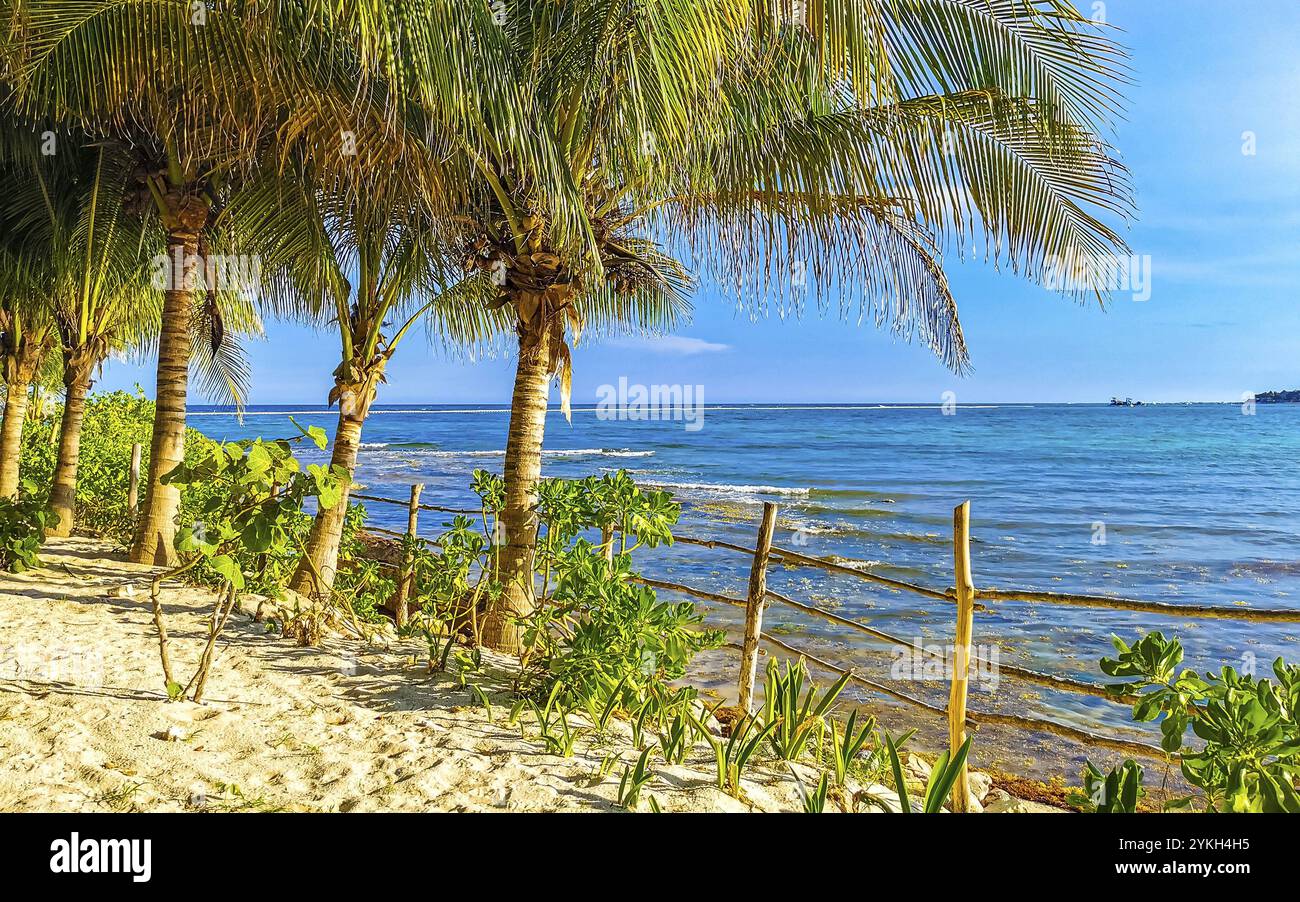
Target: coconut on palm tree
608,145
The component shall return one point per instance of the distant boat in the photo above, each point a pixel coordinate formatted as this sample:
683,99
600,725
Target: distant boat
1127,402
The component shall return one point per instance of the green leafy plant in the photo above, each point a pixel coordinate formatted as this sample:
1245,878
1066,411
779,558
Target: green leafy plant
599,637
553,724
848,744
813,802
634,779
733,756
603,630
452,585
602,627
645,713
1115,792
254,506
797,713
482,699
1250,727
599,715
943,774
23,522
676,737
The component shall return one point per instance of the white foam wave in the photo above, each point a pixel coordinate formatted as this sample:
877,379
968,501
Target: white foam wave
728,490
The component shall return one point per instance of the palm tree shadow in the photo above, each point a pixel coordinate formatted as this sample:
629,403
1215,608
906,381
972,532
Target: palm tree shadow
385,685
42,688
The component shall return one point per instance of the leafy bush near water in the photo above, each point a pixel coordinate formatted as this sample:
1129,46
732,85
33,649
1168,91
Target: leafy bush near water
600,636
1249,727
246,523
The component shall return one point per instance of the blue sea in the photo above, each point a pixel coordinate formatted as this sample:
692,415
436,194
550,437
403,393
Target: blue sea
1178,503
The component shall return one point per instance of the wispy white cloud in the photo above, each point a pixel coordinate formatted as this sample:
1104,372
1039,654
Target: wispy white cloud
682,345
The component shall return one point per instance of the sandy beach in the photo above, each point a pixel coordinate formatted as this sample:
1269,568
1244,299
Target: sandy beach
85,724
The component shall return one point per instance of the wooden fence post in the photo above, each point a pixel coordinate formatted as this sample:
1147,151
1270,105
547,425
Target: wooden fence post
754,607
404,581
965,586
133,488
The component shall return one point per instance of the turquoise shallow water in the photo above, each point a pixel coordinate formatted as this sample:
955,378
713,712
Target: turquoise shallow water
1198,503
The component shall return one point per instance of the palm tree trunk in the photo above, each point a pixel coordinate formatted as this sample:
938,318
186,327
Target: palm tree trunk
63,491
523,470
157,525
11,437
315,573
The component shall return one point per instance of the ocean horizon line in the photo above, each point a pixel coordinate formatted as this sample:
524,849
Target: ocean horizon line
499,407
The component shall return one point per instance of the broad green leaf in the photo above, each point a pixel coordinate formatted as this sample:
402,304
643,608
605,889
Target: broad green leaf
227,567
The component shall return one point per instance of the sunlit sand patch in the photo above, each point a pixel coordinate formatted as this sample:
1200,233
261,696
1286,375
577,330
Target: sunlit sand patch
334,728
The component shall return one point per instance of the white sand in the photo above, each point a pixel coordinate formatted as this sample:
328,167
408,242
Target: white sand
85,725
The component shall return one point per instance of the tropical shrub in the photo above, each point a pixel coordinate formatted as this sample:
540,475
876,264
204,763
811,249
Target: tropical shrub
22,529
250,517
1250,727
452,585
603,631
245,517
1115,792
114,421
600,643
601,636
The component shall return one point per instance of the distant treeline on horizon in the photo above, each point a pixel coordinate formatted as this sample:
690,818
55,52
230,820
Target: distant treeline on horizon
1279,397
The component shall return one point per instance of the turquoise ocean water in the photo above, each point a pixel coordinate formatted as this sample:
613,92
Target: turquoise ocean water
1176,503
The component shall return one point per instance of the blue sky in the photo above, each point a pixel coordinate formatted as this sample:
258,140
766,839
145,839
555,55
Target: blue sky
1222,228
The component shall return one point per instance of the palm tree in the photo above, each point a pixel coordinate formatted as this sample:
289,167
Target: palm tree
610,143
192,94
355,261
367,260
70,209
205,97
27,329
27,336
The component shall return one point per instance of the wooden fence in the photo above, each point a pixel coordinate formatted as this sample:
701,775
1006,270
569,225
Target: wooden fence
963,596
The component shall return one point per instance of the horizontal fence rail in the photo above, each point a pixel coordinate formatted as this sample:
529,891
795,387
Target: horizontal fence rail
421,506
765,554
